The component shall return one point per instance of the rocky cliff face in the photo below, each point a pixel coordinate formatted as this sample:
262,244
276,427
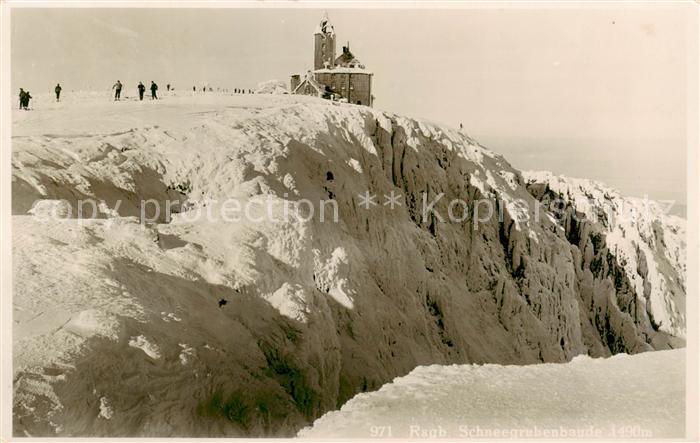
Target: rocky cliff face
441,253
629,257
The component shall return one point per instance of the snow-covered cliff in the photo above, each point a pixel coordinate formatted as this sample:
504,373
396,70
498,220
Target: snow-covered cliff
440,253
639,235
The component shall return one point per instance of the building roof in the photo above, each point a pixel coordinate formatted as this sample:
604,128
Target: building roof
345,58
348,59
342,70
316,85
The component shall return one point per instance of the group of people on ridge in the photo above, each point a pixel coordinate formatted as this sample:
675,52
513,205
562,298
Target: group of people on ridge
24,96
24,99
224,90
118,90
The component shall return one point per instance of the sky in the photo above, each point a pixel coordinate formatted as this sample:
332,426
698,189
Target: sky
595,92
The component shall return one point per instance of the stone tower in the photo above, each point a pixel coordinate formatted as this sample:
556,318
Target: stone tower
324,44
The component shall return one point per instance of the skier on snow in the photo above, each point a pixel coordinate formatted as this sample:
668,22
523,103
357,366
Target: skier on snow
58,92
154,88
142,88
117,90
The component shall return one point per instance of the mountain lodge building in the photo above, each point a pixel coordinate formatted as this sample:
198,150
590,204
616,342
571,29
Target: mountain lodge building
336,78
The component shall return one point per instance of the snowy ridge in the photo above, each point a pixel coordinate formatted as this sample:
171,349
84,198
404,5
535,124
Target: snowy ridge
579,398
647,241
316,311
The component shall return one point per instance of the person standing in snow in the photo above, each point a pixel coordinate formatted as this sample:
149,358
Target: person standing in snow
117,90
57,89
142,89
154,88
26,100
21,98
167,86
